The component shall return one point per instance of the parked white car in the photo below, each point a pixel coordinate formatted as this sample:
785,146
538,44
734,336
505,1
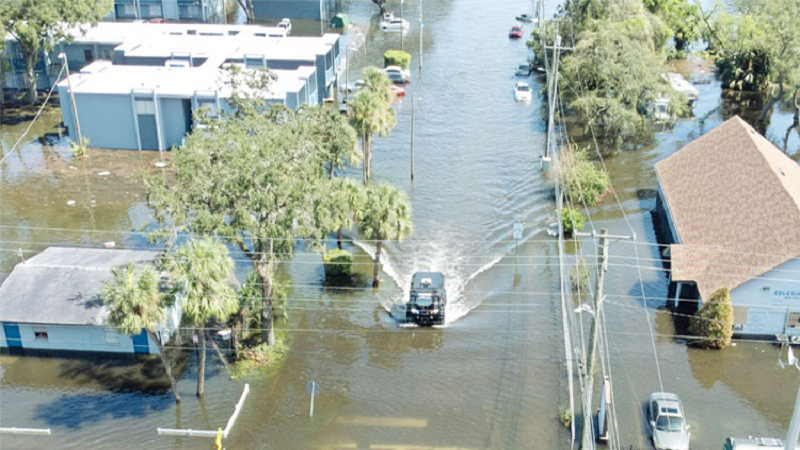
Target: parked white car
286,24
522,92
394,25
667,422
396,74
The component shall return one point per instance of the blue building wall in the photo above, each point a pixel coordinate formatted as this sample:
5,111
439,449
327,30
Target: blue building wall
106,119
169,10
81,338
173,121
294,9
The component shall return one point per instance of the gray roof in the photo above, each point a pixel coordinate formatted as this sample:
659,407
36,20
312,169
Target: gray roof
62,285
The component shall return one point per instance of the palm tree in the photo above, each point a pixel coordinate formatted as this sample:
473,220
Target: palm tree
386,215
202,269
371,113
375,80
137,304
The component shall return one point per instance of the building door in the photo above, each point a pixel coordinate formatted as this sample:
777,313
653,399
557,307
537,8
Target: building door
148,129
88,56
141,345
187,114
12,335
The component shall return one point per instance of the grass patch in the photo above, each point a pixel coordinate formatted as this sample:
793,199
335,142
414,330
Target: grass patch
256,363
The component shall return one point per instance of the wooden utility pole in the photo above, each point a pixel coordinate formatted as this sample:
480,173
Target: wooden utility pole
587,442
412,138
72,100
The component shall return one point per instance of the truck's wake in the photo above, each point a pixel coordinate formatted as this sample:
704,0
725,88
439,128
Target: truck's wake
404,259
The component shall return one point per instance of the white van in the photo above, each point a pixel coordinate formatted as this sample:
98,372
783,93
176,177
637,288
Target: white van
752,443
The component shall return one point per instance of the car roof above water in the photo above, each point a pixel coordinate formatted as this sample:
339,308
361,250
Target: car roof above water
437,279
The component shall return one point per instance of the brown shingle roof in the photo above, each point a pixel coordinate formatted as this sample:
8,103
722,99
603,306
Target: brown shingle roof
735,203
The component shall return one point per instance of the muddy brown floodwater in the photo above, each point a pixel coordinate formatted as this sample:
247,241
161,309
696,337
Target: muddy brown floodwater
494,376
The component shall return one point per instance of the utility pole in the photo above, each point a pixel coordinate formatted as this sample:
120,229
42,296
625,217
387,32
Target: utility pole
587,442
420,36
72,100
794,426
412,138
402,31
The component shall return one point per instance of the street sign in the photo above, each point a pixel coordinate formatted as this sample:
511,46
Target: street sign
517,231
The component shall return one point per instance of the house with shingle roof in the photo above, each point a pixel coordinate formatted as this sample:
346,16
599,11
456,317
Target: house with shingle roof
52,302
730,203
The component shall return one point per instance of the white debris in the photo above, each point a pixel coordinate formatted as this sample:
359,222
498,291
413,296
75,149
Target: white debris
160,164
109,244
104,173
70,202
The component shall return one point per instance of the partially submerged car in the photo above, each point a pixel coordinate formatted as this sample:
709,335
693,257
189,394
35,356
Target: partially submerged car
427,299
286,24
516,32
397,74
667,422
524,70
522,92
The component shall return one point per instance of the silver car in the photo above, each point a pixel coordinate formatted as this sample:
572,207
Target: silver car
667,422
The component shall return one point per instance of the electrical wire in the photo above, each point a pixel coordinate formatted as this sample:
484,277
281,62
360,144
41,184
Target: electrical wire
38,113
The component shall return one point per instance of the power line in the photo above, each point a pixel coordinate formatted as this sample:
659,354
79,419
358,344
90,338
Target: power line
38,113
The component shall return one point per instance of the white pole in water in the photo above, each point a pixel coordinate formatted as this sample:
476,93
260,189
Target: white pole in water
794,427
311,410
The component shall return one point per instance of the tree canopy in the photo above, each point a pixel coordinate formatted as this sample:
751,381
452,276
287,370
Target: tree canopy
758,46
38,25
613,76
136,303
386,215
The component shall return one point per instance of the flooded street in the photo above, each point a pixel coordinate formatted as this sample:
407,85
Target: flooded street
494,376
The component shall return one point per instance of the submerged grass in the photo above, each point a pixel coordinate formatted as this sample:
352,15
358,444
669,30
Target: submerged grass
258,362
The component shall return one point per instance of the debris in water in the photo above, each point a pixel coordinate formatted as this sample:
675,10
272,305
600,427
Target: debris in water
70,202
109,244
104,173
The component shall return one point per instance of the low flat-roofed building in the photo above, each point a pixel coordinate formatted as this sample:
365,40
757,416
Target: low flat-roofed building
152,107
52,302
730,203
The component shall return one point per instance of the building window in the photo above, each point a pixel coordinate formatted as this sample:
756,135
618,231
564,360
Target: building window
208,105
145,107
40,334
124,10
793,320
88,56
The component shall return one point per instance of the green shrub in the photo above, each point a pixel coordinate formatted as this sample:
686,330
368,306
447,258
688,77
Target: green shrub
397,58
584,181
571,220
565,416
714,321
338,263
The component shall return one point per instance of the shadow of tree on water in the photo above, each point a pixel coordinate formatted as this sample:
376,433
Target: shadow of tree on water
75,411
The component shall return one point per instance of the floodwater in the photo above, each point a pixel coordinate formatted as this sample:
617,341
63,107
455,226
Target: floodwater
494,376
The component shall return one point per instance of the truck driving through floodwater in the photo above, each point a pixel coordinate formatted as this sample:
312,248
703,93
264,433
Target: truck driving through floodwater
427,299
